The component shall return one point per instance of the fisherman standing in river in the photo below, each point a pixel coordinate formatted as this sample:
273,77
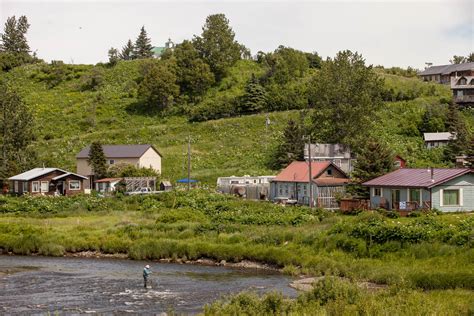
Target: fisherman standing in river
146,274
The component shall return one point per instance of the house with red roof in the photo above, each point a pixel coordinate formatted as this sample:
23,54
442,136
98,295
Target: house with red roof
292,183
448,190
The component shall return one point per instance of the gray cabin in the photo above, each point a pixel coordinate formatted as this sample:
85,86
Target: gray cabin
338,154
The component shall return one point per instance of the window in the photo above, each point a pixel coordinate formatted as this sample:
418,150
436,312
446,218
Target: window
74,185
329,172
451,197
44,186
35,186
377,192
397,163
415,195
111,162
25,186
15,184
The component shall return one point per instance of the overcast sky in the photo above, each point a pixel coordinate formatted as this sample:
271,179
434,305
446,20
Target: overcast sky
389,33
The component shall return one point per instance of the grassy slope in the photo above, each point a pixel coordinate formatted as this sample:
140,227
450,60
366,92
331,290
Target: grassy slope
68,120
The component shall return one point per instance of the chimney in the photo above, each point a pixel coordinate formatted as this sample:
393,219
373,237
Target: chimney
432,174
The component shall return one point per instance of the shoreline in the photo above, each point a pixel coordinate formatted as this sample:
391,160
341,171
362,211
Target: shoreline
244,264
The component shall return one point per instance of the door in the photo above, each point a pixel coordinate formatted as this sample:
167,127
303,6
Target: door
395,199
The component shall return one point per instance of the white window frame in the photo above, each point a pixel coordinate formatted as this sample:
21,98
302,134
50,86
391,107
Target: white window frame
460,197
33,184
111,161
15,186
74,181
47,186
380,192
25,186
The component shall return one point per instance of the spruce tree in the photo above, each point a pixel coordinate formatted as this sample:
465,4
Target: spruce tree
456,124
291,145
97,160
143,47
127,51
14,36
470,152
374,159
17,133
255,98
113,56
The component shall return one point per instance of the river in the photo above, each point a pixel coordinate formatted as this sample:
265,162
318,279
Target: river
38,285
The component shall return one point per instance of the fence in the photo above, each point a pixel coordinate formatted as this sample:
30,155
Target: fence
247,191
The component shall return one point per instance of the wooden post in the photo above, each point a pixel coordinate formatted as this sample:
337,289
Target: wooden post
189,162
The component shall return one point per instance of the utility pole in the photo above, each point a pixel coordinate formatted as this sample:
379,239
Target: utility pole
189,162
267,123
310,180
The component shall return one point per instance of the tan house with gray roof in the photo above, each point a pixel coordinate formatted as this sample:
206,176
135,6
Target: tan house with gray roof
140,156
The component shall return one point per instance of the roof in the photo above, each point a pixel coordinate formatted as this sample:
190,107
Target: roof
328,151
34,173
120,151
157,51
297,171
446,69
68,174
444,136
166,183
416,178
108,180
186,180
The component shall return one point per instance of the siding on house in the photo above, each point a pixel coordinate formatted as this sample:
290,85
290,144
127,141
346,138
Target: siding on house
150,159
465,184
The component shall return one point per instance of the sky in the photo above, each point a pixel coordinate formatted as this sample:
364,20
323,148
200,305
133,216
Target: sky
390,33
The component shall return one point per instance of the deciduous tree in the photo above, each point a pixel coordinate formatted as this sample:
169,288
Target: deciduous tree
217,45
194,76
17,133
158,88
346,95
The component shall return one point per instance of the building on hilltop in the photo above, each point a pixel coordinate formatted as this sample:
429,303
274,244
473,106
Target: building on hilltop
159,50
448,190
47,181
443,73
433,140
463,90
140,156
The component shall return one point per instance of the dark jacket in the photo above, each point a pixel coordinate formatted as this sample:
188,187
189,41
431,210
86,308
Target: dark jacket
146,272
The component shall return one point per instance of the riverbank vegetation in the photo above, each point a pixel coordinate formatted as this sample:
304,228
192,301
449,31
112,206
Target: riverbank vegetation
430,252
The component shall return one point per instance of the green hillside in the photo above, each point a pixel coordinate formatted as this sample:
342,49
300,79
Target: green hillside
70,114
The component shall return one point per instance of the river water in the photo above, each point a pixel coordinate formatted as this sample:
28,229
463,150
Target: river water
82,286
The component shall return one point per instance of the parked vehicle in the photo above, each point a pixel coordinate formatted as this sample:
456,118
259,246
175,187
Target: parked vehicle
143,190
